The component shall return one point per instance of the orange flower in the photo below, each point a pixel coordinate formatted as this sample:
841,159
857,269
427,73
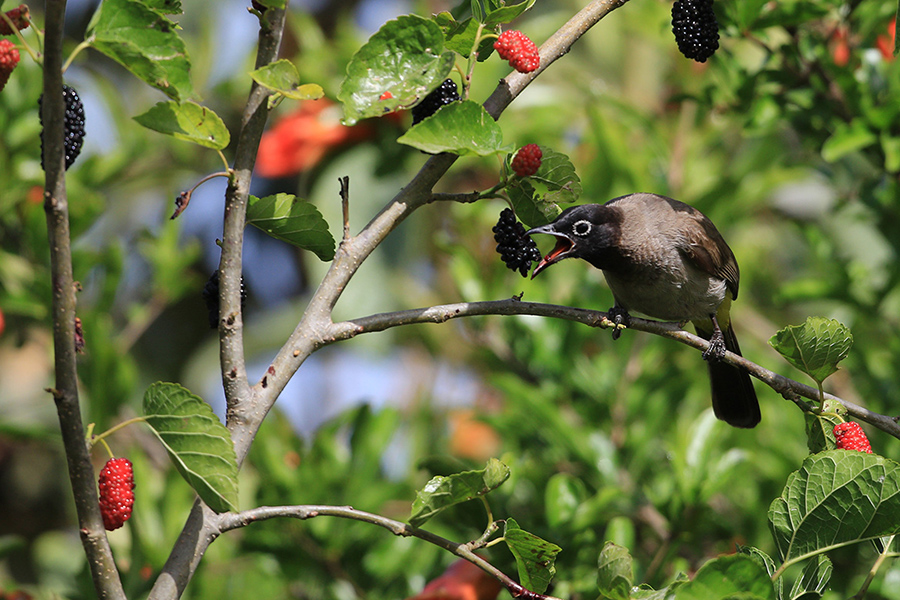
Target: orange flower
461,581
299,140
885,43
840,46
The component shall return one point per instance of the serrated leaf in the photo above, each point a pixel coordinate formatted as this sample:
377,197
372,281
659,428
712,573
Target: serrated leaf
443,492
295,221
166,7
816,347
460,36
399,65
535,557
531,208
615,572
813,580
558,174
505,14
189,122
836,498
735,576
819,430
462,128
767,563
282,77
198,443
144,41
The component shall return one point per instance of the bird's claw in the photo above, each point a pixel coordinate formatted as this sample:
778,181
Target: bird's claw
620,320
716,350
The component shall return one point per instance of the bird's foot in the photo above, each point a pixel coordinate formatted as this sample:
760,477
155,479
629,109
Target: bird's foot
619,319
716,350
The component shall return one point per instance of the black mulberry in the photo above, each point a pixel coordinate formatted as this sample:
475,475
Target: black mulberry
517,250
210,296
444,94
73,124
696,29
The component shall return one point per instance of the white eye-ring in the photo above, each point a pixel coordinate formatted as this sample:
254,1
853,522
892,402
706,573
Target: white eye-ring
581,228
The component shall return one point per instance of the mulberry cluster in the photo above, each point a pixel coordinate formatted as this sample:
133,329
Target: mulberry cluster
527,160
210,295
9,58
116,492
517,250
696,29
850,436
73,125
444,94
518,49
18,16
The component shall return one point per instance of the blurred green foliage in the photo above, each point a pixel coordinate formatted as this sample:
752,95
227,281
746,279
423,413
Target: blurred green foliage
794,156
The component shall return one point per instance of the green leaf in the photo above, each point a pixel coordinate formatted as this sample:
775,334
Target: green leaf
189,121
274,3
143,41
282,77
198,444
530,207
399,65
459,36
735,576
836,498
505,14
615,572
535,557
557,174
443,492
820,427
295,221
563,495
765,561
847,138
460,128
812,582
816,347
166,7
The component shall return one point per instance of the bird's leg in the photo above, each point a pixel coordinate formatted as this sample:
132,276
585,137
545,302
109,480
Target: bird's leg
621,318
716,350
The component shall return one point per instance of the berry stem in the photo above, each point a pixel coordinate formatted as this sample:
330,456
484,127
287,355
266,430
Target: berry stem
81,46
112,430
473,60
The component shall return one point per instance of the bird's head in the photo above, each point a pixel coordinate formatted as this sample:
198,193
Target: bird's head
585,231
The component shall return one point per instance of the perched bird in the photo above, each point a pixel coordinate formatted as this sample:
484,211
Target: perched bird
666,260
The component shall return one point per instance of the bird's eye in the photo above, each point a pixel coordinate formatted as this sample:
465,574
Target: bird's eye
581,228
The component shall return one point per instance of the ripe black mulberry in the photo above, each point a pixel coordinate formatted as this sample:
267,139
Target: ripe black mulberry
444,94
696,29
517,250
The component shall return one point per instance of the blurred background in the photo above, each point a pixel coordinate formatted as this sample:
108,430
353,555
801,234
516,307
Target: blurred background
788,139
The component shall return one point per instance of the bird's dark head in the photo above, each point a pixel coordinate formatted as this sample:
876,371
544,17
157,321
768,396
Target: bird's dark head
585,231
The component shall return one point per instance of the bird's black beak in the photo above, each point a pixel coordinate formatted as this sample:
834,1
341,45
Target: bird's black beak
564,247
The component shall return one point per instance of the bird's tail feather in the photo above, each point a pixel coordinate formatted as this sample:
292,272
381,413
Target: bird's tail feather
733,397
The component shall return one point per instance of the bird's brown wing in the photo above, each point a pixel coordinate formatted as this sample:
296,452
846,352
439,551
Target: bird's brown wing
705,247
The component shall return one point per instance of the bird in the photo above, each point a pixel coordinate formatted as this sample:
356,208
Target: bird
666,260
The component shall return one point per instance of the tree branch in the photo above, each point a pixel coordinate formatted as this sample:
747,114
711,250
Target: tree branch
786,387
229,521
201,530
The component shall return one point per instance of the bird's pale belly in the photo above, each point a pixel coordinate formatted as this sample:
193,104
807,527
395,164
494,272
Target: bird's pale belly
668,296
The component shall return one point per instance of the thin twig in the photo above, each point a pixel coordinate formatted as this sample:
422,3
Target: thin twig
785,386
229,521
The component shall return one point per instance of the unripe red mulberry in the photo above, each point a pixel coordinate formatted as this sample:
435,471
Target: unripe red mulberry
116,492
850,436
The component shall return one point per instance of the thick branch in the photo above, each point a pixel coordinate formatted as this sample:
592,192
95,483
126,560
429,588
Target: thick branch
81,473
201,529
790,389
314,329
231,521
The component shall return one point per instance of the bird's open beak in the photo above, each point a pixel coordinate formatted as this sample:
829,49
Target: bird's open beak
564,246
